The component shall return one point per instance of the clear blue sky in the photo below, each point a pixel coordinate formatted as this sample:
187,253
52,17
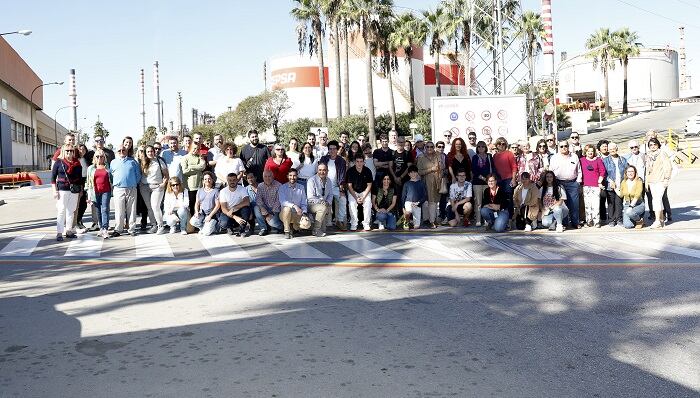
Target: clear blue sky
213,51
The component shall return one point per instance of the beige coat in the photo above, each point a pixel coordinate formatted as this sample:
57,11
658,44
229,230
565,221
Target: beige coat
532,201
432,179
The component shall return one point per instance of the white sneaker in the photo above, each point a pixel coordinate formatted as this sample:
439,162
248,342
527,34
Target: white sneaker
183,232
528,228
477,224
381,227
655,225
560,228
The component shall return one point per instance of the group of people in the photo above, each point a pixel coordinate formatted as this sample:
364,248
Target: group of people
189,185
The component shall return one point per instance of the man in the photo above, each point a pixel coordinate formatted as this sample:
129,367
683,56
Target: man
576,146
337,168
637,159
186,141
311,139
293,203
197,139
319,191
551,144
173,156
68,139
361,139
418,147
267,204
471,144
447,135
460,200
215,150
344,144
322,148
567,169
393,139
359,179
126,175
235,207
254,155
400,162
157,147
383,159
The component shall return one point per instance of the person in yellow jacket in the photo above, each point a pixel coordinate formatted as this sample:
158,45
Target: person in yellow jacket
632,193
526,200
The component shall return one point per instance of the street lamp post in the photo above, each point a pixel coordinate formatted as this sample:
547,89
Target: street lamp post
31,117
23,32
55,124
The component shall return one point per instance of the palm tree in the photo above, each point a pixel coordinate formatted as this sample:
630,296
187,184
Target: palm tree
343,20
408,31
367,16
531,31
331,10
389,61
438,29
310,35
601,42
625,46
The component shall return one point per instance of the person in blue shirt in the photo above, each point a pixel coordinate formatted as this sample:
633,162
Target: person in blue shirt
126,175
172,157
413,195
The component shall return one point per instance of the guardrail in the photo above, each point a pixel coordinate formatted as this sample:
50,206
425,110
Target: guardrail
682,148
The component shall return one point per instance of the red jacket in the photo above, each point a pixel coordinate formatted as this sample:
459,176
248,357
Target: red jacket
279,171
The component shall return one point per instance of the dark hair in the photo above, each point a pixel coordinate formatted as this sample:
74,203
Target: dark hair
341,133
488,176
302,156
310,134
251,132
333,142
210,174
601,143
230,145
186,136
629,166
525,176
359,156
383,137
232,175
555,185
471,133
539,143
654,140
412,168
293,170
483,145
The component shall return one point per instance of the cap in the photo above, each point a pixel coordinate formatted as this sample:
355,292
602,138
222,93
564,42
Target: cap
203,150
418,138
633,143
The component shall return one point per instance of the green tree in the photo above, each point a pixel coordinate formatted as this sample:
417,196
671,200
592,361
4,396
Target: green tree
100,129
389,61
625,45
437,23
601,44
275,104
294,129
148,137
353,124
409,31
308,14
206,130
366,16
530,31
424,123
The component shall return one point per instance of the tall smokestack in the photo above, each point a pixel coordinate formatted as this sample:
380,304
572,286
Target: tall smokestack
156,87
548,45
179,114
681,55
143,103
73,94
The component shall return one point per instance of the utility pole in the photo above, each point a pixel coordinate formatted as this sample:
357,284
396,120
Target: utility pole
143,103
162,113
265,74
158,103
179,114
195,115
73,94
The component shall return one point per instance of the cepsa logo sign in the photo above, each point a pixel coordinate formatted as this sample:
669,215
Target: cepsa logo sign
302,76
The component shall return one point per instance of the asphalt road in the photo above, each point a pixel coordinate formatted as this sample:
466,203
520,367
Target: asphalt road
596,313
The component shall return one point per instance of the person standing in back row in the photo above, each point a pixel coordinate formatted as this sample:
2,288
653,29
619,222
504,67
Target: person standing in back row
126,175
254,155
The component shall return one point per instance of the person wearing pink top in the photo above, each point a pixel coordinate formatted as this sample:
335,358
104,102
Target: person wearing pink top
593,171
507,169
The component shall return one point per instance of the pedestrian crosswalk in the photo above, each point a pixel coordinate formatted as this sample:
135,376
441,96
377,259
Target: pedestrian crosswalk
379,247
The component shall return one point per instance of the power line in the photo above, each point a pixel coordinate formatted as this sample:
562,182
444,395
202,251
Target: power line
688,4
658,15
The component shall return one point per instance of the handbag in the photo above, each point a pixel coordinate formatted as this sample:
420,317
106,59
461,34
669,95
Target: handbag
74,188
305,222
443,186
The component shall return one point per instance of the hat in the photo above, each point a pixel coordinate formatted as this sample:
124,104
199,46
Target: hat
279,146
633,143
203,150
418,138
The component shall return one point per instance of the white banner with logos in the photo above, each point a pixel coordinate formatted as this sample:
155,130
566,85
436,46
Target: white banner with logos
495,116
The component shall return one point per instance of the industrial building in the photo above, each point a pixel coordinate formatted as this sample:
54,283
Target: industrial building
27,135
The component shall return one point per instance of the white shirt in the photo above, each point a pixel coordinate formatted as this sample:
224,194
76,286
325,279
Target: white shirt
369,162
173,202
332,174
233,198
458,193
294,156
226,165
308,170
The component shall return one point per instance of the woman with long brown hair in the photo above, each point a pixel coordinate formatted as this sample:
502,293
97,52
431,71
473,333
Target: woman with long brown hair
458,159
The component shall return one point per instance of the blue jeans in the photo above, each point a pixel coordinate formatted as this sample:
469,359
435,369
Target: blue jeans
571,189
508,190
181,216
205,228
498,220
388,219
275,222
555,217
225,222
632,214
102,205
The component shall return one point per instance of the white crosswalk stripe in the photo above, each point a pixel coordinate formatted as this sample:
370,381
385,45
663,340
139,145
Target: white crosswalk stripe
594,248
456,252
86,245
660,246
23,246
366,247
222,247
534,251
152,246
295,248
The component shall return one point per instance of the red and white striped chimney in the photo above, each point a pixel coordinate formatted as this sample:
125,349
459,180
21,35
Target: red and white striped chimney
548,45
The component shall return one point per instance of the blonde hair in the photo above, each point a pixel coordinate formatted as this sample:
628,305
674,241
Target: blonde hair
501,140
172,180
98,153
64,148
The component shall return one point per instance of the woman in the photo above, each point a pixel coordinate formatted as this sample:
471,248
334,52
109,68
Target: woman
658,169
482,167
543,153
82,199
490,144
593,173
229,163
141,208
353,151
408,146
494,203
206,206
66,175
369,159
507,170
430,171
154,178
632,192
458,159
192,168
615,166
526,203
128,144
176,206
384,204
99,189
307,164
279,164
529,162
293,152
553,197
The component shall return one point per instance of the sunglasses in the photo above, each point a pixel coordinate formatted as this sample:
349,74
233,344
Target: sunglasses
429,146
514,147
441,147
174,185
542,146
563,146
550,139
574,137
634,147
99,141
70,151
500,144
447,136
